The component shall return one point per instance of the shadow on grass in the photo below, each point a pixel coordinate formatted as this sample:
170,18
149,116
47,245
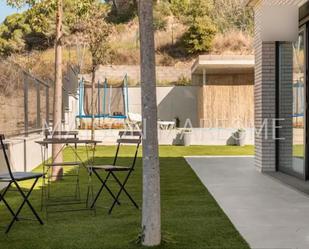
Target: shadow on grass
191,218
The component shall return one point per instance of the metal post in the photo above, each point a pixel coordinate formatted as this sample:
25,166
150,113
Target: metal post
127,95
47,107
25,155
104,98
63,106
99,102
26,124
38,106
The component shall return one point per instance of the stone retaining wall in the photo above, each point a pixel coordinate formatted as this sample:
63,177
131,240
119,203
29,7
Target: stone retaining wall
165,75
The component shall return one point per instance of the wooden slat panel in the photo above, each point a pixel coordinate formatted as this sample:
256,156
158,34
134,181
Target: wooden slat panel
227,103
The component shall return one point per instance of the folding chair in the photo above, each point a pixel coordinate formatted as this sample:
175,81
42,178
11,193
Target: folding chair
125,137
14,178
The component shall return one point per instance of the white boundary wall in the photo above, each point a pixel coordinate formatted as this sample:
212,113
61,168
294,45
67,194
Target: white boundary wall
23,152
176,101
199,136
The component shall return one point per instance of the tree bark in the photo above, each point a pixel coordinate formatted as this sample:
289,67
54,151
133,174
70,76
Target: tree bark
57,172
151,212
92,103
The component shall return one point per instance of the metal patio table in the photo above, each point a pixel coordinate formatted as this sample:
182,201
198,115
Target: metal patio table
73,144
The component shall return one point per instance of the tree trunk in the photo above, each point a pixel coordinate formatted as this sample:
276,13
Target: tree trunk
151,212
57,110
92,103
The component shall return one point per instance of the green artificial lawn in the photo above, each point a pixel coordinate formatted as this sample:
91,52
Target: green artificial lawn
191,218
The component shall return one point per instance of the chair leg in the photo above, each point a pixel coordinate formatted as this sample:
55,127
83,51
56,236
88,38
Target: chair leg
77,186
25,197
43,193
102,187
5,202
122,188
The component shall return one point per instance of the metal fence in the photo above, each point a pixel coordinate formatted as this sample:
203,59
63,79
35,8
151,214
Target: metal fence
27,101
37,104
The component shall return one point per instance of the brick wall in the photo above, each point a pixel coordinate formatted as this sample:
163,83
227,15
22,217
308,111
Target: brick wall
264,98
265,103
265,95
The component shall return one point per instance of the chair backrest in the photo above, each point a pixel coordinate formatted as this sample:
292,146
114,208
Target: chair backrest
132,138
135,117
4,148
62,134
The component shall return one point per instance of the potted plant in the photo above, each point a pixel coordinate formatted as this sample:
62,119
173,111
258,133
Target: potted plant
186,134
240,137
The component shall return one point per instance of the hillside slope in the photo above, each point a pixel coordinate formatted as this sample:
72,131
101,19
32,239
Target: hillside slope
125,44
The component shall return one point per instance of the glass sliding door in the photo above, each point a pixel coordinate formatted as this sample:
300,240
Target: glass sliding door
291,94
299,100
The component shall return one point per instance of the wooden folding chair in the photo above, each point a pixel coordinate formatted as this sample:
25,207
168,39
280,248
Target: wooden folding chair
14,178
125,137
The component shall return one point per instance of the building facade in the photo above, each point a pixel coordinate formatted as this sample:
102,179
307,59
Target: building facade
281,96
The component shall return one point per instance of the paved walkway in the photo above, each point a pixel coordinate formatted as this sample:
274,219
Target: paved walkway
268,214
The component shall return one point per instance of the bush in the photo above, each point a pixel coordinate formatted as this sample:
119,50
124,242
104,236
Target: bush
159,23
199,36
11,34
163,7
183,81
179,8
160,14
196,14
31,29
35,28
123,14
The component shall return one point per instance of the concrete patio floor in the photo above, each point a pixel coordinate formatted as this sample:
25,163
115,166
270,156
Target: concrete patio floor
268,213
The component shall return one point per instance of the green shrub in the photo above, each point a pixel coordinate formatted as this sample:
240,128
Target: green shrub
124,14
35,28
5,48
188,10
200,35
160,14
196,15
183,81
179,8
12,33
164,7
159,22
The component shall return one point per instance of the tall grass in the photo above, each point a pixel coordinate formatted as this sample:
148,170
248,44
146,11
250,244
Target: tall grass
233,42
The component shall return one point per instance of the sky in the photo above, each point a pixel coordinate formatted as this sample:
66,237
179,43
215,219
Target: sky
6,10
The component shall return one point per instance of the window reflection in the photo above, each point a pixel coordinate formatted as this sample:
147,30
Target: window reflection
299,103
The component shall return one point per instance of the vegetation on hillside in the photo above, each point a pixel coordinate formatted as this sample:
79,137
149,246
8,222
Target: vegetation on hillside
184,28
35,28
